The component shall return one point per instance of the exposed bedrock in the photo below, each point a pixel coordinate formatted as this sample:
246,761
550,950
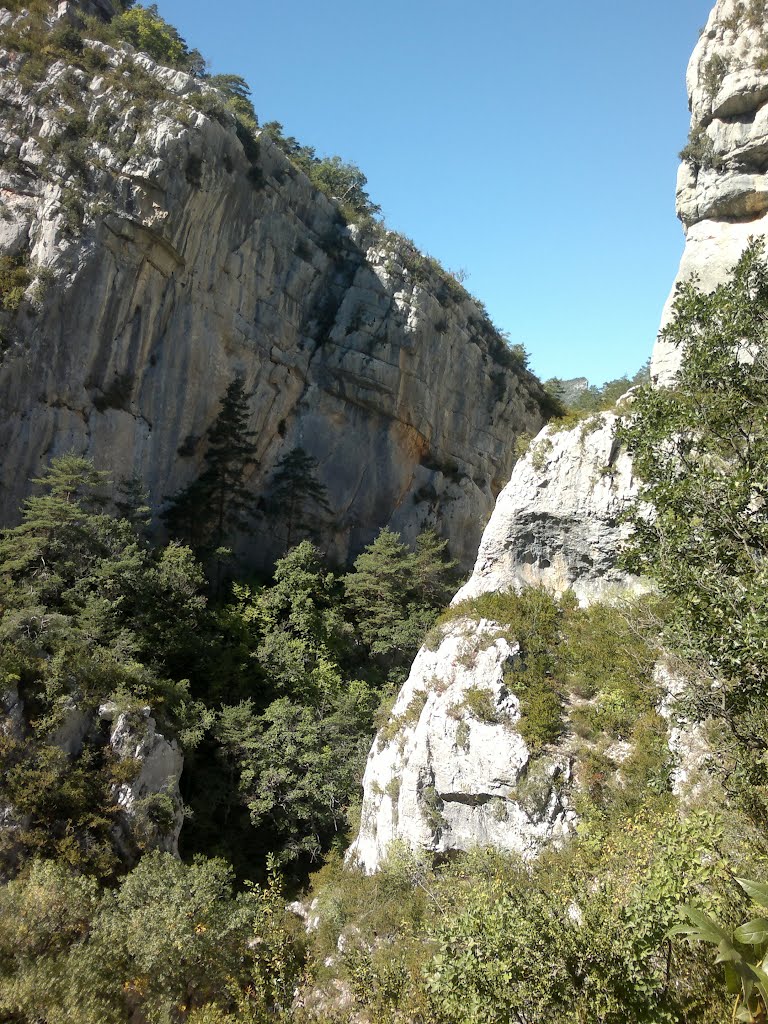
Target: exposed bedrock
195,262
722,184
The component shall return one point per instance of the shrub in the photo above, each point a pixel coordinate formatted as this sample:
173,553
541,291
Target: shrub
15,277
699,151
541,721
480,703
143,28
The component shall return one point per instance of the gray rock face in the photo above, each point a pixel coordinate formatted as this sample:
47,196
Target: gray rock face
450,771
175,261
722,184
556,523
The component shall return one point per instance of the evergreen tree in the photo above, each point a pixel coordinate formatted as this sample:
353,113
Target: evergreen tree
297,499
132,502
395,593
211,509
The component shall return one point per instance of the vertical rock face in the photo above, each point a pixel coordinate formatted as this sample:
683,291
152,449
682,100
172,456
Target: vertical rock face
556,523
722,184
163,259
449,771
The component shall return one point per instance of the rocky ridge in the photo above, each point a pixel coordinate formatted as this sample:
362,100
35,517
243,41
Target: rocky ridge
449,771
722,183
164,254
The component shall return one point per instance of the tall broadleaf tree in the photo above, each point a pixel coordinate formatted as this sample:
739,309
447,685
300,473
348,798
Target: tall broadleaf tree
701,524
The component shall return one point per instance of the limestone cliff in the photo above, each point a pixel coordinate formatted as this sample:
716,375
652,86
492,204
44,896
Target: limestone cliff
556,523
722,184
450,771
440,777
160,253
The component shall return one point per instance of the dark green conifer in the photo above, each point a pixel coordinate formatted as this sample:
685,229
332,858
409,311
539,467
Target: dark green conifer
218,505
297,499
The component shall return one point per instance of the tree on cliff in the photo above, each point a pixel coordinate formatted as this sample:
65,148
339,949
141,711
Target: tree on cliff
218,505
701,450
297,502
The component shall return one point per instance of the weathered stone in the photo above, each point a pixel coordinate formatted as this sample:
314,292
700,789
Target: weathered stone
159,763
556,523
450,771
75,726
722,193
691,753
195,262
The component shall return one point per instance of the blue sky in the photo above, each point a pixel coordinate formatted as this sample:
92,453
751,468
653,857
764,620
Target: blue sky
533,145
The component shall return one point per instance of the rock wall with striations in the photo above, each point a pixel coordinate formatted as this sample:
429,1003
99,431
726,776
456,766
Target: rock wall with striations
164,254
722,184
557,522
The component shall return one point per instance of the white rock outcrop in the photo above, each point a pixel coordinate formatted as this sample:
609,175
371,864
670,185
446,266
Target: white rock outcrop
557,522
450,771
134,737
149,803
722,184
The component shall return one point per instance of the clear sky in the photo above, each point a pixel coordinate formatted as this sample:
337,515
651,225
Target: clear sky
533,145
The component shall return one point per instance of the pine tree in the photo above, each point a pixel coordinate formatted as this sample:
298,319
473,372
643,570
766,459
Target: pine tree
297,498
217,505
395,593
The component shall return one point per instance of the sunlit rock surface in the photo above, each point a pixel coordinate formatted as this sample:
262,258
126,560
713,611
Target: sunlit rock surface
450,771
722,184
557,522
178,261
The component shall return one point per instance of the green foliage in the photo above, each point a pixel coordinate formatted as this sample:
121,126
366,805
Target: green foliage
343,182
238,96
593,399
699,150
395,593
144,28
522,444
170,940
306,704
480,703
218,505
743,952
600,654
297,503
540,453
701,450
15,278
85,608
579,936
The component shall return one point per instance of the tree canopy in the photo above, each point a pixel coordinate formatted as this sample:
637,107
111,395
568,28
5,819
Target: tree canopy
701,522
